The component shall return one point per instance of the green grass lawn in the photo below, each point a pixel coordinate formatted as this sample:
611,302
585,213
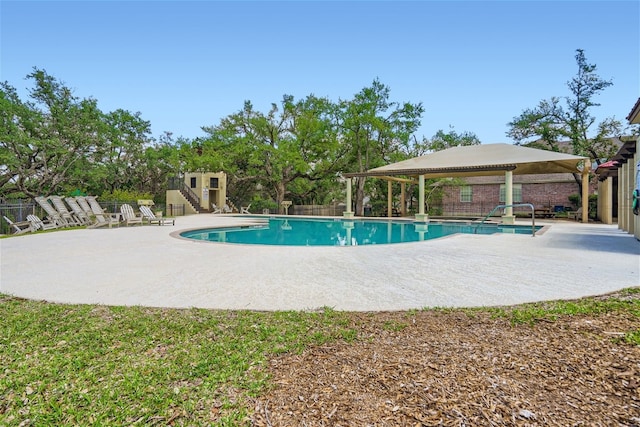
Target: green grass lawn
86,364
96,365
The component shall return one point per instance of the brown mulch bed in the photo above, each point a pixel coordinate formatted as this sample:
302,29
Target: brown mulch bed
462,369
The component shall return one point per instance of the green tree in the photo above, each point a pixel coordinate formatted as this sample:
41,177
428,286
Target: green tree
46,141
315,136
19,124
119,161
550,122
269,152
442,141
57,142
375,130
160,161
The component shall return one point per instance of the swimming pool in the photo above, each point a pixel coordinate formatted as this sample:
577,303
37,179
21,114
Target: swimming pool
339,232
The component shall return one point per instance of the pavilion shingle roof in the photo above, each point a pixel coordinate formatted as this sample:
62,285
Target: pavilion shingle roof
482,160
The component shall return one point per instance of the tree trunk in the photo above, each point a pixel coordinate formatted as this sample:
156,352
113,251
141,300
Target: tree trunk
359,199
578,179
280,193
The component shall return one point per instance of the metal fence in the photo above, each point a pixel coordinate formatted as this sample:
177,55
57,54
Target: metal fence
479,209
318,210
17,210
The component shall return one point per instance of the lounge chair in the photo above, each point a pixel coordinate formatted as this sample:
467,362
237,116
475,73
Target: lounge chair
215,209
19,227
102,218
245,210
64,212
226,209
577,215
128,216
84,205
52,213
96,208
80,214
39,224
151,218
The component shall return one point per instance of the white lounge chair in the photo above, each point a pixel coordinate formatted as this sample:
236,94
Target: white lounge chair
80,214
84,205
102,218
226,209
245,210
63,211
151,218
128,216
19,227
52,213
39,224
577,215
215,209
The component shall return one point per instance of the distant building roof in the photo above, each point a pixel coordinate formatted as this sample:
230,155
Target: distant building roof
634,114
609,164
626,152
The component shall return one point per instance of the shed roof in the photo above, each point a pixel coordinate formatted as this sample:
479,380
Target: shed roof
482,160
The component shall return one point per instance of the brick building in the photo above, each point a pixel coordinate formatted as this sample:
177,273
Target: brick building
480,194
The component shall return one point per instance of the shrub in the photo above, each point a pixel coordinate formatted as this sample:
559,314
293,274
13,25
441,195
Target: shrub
258,204
125,195
574,199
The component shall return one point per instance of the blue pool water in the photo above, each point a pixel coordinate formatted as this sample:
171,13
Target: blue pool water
338,232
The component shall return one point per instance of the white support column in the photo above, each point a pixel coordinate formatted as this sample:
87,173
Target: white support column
605,200
348,213
508,217
585,194
628,171
421,216
619,214
389,199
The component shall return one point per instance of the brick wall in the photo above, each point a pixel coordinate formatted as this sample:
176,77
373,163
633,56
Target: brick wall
487,196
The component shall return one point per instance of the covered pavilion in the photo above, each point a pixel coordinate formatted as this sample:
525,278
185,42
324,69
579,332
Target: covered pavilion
476,160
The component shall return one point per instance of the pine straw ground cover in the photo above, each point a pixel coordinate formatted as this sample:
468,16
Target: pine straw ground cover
539,365
553,364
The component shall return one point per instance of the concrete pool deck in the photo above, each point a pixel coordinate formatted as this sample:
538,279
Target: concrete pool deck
147,266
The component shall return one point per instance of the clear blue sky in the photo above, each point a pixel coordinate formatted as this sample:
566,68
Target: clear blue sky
473,64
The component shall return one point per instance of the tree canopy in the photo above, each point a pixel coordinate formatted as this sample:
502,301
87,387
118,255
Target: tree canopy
58,143
553,121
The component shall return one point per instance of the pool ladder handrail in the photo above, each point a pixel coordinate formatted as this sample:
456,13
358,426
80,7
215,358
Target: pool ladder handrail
533,216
